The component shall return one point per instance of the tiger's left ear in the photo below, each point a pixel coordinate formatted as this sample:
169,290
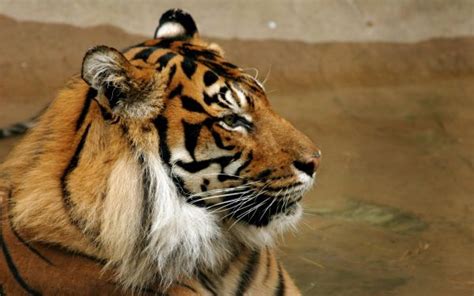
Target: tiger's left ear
176,24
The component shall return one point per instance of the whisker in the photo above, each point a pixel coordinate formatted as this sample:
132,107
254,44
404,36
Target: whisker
252,209
267,76
219,194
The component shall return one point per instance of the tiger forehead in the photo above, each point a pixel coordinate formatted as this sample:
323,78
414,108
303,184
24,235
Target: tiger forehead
159,52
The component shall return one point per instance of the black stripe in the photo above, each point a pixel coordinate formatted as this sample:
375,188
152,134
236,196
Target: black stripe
106,115
30,247
214,99
151,291
196,166
11,265
198,54
218,140
280,291
247,275
191,135
165,43
188,66
250,102
171,74
161,124
191,105
176,91
210,78
263,174
144,54
164,59
245,164
67,202
217,68
229,65
91,94
234,96
208,285
188,287
183,191
222,92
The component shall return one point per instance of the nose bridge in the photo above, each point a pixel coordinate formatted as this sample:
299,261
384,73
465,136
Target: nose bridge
295,142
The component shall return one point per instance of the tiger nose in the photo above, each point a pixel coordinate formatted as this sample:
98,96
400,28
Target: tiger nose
310,164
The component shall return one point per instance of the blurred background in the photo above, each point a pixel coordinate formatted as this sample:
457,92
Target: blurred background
385,88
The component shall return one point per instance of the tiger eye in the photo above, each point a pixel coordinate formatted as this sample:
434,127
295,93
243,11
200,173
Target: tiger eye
230,120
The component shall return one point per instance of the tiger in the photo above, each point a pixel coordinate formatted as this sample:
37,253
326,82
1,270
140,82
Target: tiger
159,169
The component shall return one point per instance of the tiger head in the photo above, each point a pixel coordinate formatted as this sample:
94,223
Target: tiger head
200,164
223,146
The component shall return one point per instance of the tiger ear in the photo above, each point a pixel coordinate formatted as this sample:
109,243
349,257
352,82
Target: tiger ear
106,69
176,24
130,91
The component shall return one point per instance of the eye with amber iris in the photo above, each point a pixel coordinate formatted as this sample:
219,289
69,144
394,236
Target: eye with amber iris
233,121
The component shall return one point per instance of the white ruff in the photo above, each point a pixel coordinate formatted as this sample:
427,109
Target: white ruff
182,237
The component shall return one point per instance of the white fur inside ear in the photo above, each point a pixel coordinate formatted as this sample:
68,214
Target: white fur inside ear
170,30
103,66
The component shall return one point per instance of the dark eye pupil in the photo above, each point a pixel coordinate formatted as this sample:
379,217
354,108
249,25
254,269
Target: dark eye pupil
230,120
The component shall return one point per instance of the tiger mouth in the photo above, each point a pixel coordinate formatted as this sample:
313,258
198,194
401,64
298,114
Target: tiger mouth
261,210
251,204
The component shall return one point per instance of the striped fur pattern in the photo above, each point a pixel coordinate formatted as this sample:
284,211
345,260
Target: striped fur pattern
166,164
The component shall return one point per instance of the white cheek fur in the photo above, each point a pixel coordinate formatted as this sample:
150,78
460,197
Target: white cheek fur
182,238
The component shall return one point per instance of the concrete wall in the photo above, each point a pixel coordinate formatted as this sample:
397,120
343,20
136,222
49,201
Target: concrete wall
306,20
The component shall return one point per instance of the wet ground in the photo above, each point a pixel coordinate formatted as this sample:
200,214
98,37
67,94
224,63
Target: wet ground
392,212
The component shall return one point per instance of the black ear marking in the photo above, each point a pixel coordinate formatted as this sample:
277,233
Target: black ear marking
176,23
105,69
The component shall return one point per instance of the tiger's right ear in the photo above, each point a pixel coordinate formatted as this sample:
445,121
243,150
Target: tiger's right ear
105,69
129,91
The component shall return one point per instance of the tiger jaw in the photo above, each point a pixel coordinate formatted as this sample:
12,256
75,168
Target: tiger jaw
252,205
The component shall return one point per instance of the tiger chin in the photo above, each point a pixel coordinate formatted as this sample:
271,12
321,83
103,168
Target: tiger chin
167,163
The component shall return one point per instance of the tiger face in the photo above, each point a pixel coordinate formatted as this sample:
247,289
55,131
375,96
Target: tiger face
223,146
219,162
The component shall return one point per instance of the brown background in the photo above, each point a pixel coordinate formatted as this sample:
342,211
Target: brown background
392,213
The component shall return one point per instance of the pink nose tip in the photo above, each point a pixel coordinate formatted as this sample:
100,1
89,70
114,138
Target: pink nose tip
310,165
